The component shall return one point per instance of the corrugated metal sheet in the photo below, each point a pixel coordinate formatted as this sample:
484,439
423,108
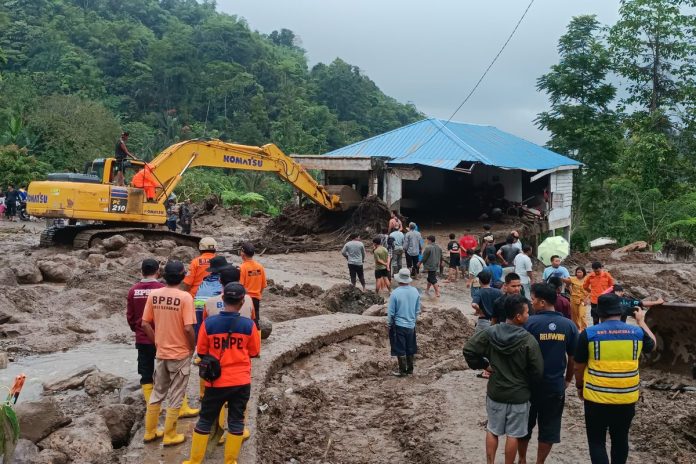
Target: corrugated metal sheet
432,143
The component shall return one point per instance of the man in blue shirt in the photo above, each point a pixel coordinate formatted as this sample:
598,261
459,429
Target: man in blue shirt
403,309
555,270
557,338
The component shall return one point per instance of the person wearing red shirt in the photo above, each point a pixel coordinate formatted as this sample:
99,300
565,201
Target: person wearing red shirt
252,277
597,282
137,297
233,340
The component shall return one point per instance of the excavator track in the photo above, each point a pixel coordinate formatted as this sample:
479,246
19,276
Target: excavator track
82,236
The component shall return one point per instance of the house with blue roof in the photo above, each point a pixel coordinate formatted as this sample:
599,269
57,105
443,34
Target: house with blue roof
467,170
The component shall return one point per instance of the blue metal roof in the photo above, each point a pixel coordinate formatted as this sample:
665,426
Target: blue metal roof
436,143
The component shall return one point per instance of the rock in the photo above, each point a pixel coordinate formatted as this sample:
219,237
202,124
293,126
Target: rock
70,383
7,278
344,298
76,327
95,250
266,327
95,259
4,360
602,243
169,244
38,419
102,382
26,452
161,251
50,456
55,272
27,272
376,310
131,393
133,249
635,246
119,419
86,440
112,254
183,253
114,243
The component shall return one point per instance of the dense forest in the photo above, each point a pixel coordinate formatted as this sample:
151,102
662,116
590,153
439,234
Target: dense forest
73,73
623,102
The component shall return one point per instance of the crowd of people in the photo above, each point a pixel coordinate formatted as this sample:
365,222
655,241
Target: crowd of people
10,199
532,339
212,310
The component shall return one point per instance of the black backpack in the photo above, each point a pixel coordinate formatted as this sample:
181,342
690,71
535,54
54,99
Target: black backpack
209,366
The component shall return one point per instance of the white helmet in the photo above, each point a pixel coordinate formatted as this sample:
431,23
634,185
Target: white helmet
207,244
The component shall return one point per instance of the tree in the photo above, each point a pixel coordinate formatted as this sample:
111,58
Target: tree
19,168
653,47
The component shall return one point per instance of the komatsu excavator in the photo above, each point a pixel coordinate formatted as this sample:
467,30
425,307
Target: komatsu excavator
95,207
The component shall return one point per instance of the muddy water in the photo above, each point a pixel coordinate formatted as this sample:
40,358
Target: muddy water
115,359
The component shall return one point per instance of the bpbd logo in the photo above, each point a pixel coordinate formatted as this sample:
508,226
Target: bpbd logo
37,198
242,161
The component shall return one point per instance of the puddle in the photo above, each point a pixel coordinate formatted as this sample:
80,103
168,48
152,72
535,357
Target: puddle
119,360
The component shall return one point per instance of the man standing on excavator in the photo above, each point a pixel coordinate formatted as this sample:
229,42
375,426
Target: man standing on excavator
121,153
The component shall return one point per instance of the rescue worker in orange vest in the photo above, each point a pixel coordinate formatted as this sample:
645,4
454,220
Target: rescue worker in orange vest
233,340
607,378
252,277
147,181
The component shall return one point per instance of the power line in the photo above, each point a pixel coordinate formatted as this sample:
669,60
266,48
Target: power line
483,76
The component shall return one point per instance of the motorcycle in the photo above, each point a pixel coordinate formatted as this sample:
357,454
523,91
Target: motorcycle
22,210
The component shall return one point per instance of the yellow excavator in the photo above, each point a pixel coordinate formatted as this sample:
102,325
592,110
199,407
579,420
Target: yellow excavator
95,207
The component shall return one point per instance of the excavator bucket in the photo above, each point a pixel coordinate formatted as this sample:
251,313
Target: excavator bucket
674,326
349,197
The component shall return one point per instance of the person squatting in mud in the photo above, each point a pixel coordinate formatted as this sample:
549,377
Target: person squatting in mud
170,310
402,312
233,340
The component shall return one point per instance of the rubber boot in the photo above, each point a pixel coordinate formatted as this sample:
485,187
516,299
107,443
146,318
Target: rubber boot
151,421
409,364
170,436
232,446
198,445
402,367
222,422
147,391
186,411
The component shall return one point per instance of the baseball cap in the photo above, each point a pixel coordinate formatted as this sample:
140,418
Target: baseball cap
233,293
174,268
207,244
149,266
609,305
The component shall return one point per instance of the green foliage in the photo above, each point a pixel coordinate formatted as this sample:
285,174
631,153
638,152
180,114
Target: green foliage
18,168
249,202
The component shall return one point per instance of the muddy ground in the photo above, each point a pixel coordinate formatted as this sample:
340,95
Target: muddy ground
337,405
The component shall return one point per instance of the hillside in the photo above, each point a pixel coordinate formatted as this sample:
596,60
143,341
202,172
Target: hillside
75,71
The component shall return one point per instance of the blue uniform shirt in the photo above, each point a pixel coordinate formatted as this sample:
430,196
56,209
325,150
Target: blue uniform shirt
404,306
557,337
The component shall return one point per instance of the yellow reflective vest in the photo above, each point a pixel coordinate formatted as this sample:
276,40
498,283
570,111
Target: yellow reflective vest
611,375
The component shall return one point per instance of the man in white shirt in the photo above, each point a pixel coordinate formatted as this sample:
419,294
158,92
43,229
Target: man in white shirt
476,265
523,268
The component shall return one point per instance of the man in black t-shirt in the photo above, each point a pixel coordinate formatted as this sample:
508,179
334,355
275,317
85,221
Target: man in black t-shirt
454,258
512,286
484,301
121,153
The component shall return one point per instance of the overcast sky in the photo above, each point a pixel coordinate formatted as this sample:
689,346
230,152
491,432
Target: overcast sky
432,52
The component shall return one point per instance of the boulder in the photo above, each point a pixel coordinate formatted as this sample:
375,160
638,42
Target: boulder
635,246
112,254
133,249
7,278
86,440
55,272
161,251
169,244
51,456
183,253
119,419
266,327
96,259
114,243
131,393
72,382
376,310
27,272
38,419
26,452
102,382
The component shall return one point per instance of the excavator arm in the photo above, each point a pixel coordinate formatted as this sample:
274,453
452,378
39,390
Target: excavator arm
171,164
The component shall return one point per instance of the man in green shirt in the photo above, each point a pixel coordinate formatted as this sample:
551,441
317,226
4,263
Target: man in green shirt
381,259
432,255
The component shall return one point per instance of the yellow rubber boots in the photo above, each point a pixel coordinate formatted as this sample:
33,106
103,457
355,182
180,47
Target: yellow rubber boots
186,411
147,391
232,446
199,442
151,421
170,436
